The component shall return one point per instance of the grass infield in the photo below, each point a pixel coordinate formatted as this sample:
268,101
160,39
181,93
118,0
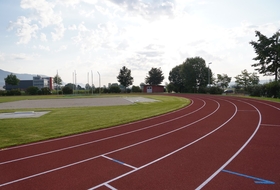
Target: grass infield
66,121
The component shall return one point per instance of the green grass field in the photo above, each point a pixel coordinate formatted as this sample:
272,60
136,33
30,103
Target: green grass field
66,121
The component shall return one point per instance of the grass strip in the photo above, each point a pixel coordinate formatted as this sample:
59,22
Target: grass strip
66,121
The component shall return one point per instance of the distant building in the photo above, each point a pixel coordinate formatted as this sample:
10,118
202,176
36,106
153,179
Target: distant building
153,88
38,81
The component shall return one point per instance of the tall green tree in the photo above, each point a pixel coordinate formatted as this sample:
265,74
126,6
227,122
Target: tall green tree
176,80
268,54
57,80
12,79
194,73
246,79
223,80
155,77
124,77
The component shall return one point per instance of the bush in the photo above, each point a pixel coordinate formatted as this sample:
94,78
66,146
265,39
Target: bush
67,90
46,91
32,90
257,90
272,89
136,89
13,92
115,89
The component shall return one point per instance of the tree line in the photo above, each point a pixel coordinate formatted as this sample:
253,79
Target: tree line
193,75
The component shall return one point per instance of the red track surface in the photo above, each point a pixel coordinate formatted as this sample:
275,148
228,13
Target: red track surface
215,143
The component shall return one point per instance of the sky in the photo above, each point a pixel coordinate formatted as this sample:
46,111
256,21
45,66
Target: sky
47,37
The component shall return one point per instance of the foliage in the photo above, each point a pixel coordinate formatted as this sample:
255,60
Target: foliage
67,90
57,80
195,74
46,91
223,80
12,79
214,90
124,77
71,85
155,77
136,89
13,92
115,89
246,79
268,52
32,90
272,89
176,81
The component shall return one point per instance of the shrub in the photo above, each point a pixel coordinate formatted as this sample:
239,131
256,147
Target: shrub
32,90
13,92
136,89
273,89
46,91
115,89
67,90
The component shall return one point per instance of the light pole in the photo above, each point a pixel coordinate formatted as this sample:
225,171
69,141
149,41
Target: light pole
209,74
99,82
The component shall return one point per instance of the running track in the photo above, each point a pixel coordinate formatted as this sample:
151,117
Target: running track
217,142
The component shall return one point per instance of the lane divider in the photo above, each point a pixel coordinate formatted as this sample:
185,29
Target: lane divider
123,148
236,154
256,180
119,162
99,140
175,151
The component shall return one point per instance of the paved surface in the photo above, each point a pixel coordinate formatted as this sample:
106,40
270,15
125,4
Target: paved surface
74,102
216,142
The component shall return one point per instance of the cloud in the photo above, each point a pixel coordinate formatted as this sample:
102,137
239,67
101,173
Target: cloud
25,30
46,48
61,48
43,37
59,32
22,56
148,9
43,12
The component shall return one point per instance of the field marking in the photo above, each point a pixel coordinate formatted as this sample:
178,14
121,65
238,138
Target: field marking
98,156
236,154
99,140
171,153
99,130
119,162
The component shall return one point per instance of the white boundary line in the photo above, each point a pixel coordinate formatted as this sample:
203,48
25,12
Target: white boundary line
91,142
236,154
99,130
92,158
171,153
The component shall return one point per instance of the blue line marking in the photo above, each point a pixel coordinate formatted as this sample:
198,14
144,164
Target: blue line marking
256,180
118,161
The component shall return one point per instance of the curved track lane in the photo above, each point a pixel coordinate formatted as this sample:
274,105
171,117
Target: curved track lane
217,142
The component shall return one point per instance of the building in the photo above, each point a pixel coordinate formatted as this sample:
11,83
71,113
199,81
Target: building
153,88
38,81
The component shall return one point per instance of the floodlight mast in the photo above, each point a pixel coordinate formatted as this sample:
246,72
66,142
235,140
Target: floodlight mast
209,74
99,83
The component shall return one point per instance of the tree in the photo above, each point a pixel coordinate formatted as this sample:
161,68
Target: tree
12,79
57,80
176,81
124,77
268,54
155,77
223,80
246,79
195,73
136,89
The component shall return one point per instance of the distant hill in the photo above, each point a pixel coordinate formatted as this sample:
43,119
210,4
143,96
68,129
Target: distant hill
4,74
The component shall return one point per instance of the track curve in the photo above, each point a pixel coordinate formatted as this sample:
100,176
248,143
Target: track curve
217,142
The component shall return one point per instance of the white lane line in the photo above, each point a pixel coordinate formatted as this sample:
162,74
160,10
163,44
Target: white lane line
119,162
171,153
99,140
110,187
236,154
97,131
92,158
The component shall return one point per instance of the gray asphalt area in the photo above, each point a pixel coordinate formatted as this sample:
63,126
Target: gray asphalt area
64,103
